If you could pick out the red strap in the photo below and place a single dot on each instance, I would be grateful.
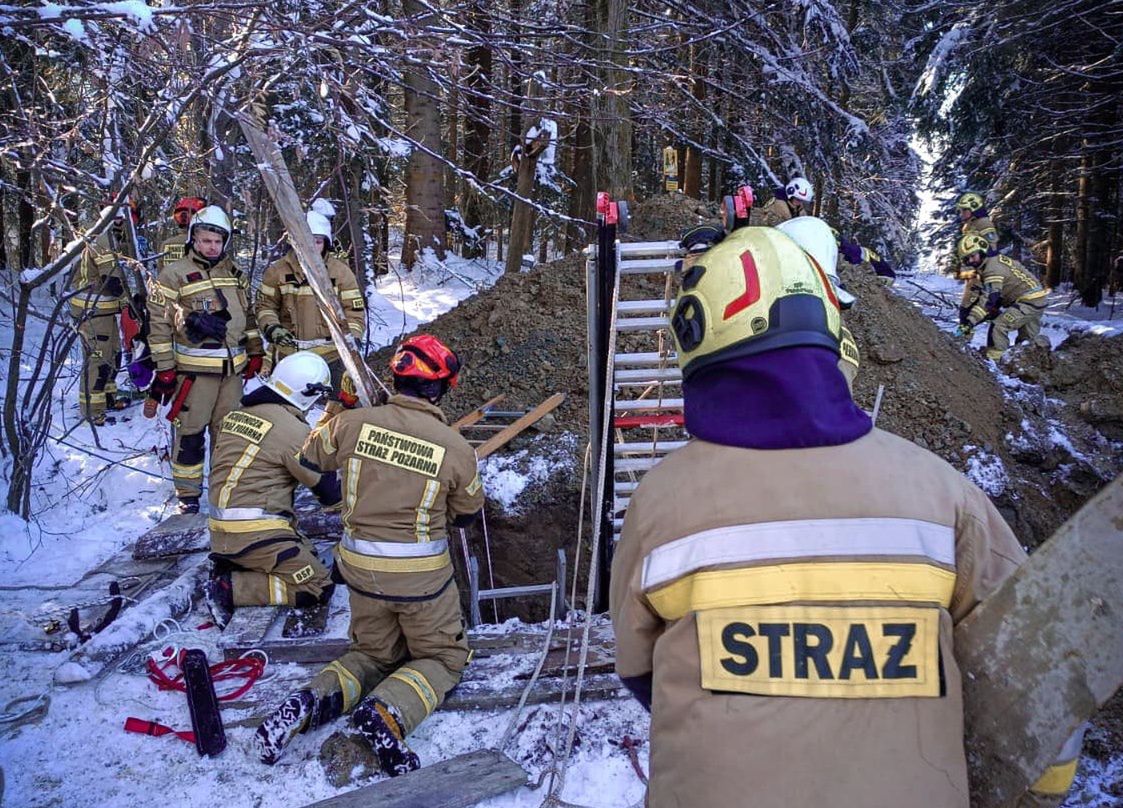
(156, 730)
(247, 668)
(658, 419)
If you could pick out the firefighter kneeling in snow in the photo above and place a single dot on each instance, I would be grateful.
(259, 557)
(1003, 291)
(406, 476)
(791, 634)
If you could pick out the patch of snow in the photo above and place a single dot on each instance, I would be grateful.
(986, 470)
(506, 476)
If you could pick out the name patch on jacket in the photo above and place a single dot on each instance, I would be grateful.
(404, 451)
(821, 651)
(246, 426)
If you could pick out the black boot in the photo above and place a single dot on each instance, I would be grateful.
(188, 504)
(282, 725)
(218, 594)
(380, 724)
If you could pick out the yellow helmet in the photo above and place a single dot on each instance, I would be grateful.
(756, 291)
(970, 201)
(971, 244)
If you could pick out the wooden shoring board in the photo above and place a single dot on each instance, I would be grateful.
(501, 438)
(479, 413)
(187, 533)
(458, 782)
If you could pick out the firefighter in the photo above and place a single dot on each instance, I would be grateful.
(789, 633)
(816, 238)
(973, 218)
(407, 478)
(289, 316)
(174, 247)
(204, 341)
(1001, 290)
(858, 256)
(260, 559)
(100, 295)
(790, 201)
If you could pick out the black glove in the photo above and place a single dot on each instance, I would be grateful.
(112, 286)
(203, 325)
(993, 306)
(882, 268)
(279, 335)
(963, 312)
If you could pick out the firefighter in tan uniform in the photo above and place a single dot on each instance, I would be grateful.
(175, 246)
(260, 559)
(407, 477)
(1002, 291)
(100, 294)
(289, 316)
(204, 340)
(973, 218)
(791, 201)
(792, 637)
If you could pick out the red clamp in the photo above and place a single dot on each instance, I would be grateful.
(743, 201)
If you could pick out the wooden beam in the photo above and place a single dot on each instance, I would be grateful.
(458, 782)
(1044, 652)
(478, 413)
(499, 440)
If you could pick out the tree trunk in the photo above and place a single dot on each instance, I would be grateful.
(583, 199)
(26, 216)
(3, 219)
(611, 116)
(477, 124)
(514, 79)
(522, 214)
(1055, 240)
(1083, 208)
(452, 139)
(425, 221)
(692, 163)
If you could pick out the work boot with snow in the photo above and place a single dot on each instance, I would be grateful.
(188, 504)
(218, 594)
(282, 725)
(381, 725)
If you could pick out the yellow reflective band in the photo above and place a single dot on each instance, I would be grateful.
(348, 683)
(350, 294)
(211, 283)
(474, 486)
(161, 347)
(236, 473)
(248, 525)
(1056, 780)
(167, 291)
(253, 333)
(821, 651)
(1040, 293)
(356, 328)
(423, 518)
(277, 595)
(370, 563)
(105, 260)
(190, 472)
(205, 363)
(416, 680)
(849, 348)
(812, 581)
(351, 481)
(266, 289)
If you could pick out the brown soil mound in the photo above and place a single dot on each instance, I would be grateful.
(526, 338)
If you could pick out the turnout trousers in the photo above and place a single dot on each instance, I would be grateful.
(408, 654)
(1022, 319)
(101, 351)
(272, 569)
(210, 399)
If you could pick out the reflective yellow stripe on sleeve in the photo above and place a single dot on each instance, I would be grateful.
(423, 517)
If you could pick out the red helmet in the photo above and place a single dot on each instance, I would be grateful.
(426, 357)
(186, 207)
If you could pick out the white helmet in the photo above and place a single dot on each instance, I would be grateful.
(301, 378)
(212, 218)
(323, 206)
(815, 237)
(800, 189)
(320, 225)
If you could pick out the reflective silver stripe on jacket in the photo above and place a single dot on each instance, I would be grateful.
(395, 549)
(304, 344)
(240, 514)
(220, 353)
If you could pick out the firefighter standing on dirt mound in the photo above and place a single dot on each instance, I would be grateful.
(792, 200)
(260, 559)
(100, 295)
(974, 218)
(1001, 290)
(407, 477)
(289, 316)
(792, 636)
(175, 246)
(204, 341)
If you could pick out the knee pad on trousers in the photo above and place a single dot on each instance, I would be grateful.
(287, 553)
(192, 449)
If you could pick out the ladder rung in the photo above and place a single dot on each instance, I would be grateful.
(632, 248)
(627, 465)
(649, 405)
(515, 591)
(641, 324)
(642, 306)
(624, 487)
(645, 375)
(645, 266)
(652, 358)
(651, 447)
(648, 421)
(617, 525)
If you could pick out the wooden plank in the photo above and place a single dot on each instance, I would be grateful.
(1044, 652)
(179, 533)
(246, 629)
(597, 687)
(306, 623)
(458, 782)
(478, 413)
(500, 439)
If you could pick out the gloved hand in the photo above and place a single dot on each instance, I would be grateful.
(965, 330)
(994, 305)
(253, 367)
(851, 250)
(882, 268)
(347, 395)
(279, 335)
(203, 325)
(163, 386)
(112, 286)
(963, 312)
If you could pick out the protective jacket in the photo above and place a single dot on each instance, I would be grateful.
(1005, 282)
(796, 641)
(285, 298)
(984, 227)
(173, 249)
(189, 286)
(97, 266)
(405, 474)
(773, 212)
